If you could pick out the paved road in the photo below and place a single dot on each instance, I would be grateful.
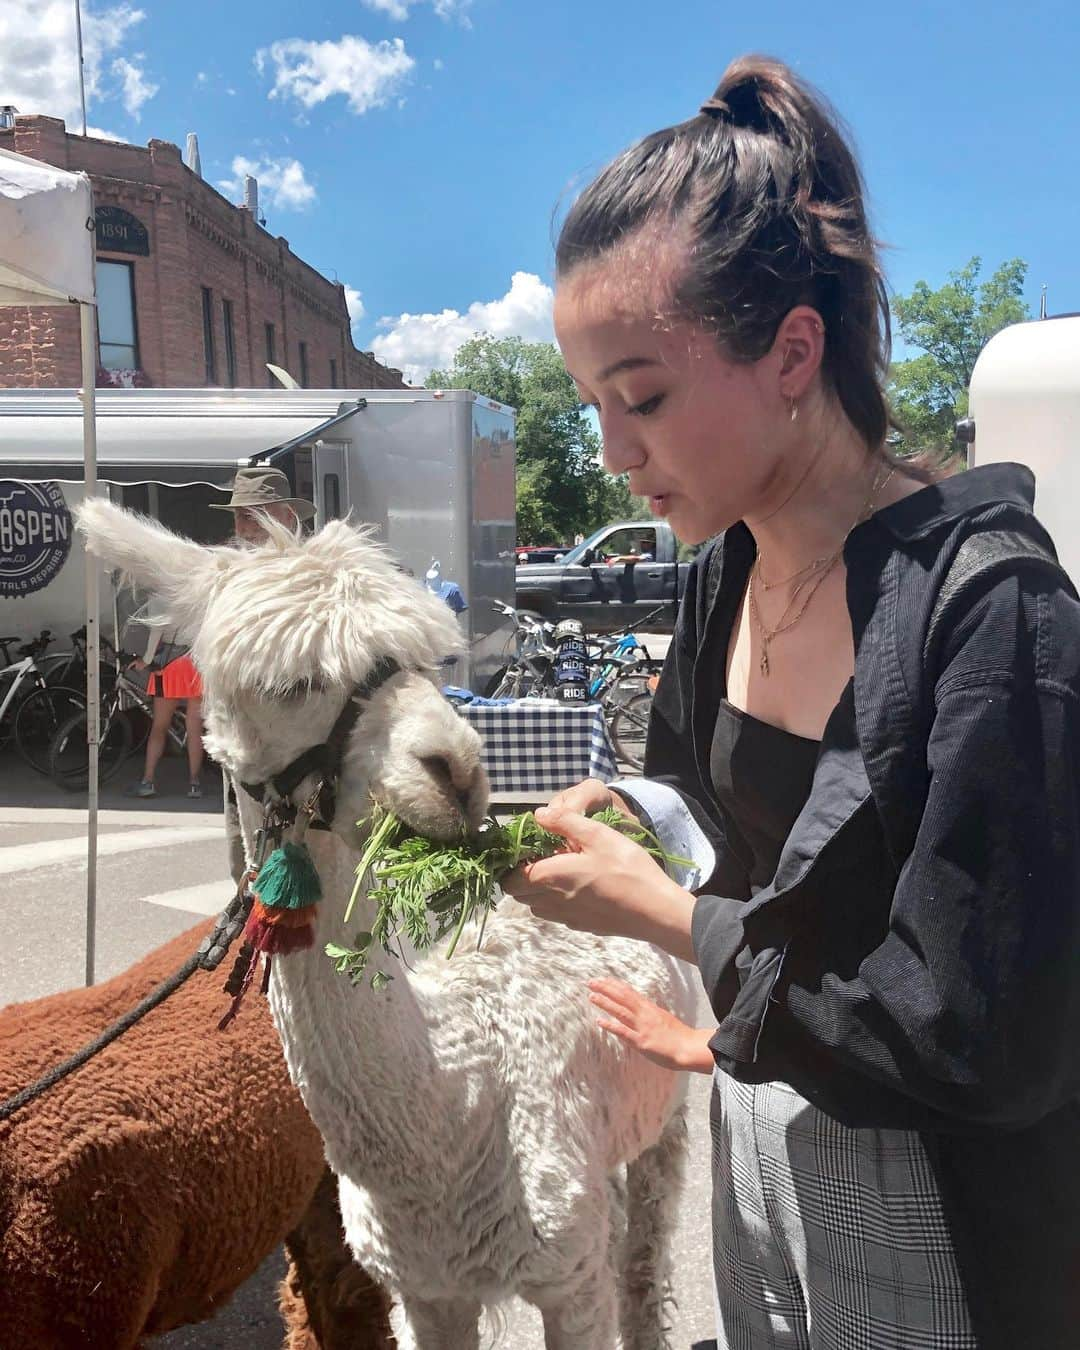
(162, 866)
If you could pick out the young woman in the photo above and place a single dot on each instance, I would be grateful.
(176, 683)
(887, 918)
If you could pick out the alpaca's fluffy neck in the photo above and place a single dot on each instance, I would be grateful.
(364, 1060)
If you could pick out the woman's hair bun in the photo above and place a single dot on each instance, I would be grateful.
(739, 96)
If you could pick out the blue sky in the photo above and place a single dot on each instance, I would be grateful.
(416, 149)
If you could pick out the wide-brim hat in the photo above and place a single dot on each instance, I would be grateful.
(261, 485)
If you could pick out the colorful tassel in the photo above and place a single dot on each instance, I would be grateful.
(287, 890)
(288, 879)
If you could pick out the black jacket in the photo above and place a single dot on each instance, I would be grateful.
(916, 961)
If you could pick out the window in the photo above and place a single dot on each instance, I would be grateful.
(331, 496)
(303, 365)
(208, 334)
(333, 373)
(118, 343)
(230, 343)
(270, 358)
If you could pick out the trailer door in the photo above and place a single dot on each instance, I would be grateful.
(331, 481)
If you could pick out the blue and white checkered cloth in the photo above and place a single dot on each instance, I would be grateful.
(540, 745)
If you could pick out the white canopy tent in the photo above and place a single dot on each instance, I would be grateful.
(47, 258)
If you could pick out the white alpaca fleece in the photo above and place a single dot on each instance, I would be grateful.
(479, 1122)
(290, 610)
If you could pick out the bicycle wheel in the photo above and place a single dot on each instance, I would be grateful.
(67, 669)
(69, 757)
(39, 717)
(628, 725)
(637, 677)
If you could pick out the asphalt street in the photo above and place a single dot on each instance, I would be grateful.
(162, 865)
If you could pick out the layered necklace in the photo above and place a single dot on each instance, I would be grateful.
(808, 579)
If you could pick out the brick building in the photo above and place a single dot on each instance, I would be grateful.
(192, 291)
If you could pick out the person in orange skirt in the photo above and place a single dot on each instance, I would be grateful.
(175, 683)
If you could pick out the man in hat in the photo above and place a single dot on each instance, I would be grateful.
(257, 492)
(261, 491)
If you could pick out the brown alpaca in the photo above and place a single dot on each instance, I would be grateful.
(138, 1194)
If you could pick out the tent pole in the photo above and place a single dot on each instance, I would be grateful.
(82, 76)
(88, 342)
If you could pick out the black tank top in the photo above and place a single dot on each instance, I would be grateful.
(761, 776)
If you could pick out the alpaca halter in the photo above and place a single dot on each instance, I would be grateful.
(324, 760)
(276, 902)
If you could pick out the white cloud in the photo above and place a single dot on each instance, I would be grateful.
(438, 63)
(282, 182)
(366, 74)
(39, 64)
(136, 88)
(201, 77)
(398, 10)
(354, 302)
(99, 134)
(417, 344)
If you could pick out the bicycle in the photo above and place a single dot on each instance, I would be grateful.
(69, 668)
(31, 716)
(624, 687)
(126, 714)
(530, 669)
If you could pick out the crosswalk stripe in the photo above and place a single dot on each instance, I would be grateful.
(69, 815)
(49, 853)
(209, 898)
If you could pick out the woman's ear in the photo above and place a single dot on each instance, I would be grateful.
(800, 346)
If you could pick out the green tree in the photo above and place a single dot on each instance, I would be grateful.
(951, 326)
(561, 487)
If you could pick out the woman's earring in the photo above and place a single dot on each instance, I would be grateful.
(794, 410)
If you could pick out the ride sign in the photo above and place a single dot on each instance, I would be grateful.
(35, 536)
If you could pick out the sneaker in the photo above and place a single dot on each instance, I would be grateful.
(194, 788)
(143, 788)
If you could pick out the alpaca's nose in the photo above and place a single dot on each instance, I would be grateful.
(458, 781)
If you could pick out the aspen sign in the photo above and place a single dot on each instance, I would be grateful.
(35, 536)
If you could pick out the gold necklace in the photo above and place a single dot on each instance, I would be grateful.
(813, 581)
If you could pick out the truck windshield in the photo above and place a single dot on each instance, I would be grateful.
(576, 554)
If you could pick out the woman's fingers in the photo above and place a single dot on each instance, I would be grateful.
(615, 988)
(611, 1007)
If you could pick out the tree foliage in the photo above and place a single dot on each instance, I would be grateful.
(562, 489)
(951, 326)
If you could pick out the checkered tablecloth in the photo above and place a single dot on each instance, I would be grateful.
(539, 745)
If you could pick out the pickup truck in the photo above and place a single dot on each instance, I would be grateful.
(615, 577)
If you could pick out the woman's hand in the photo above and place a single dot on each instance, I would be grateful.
(137, 664)
(650, 1029)
(604, 884)
(590, 796)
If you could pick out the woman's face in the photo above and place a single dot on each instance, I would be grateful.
(701, 437)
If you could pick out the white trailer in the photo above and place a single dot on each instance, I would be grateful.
(432, 471)
(1024, 405)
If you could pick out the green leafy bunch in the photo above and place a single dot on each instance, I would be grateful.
(424, 890)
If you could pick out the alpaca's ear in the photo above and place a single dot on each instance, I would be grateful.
(177, 571)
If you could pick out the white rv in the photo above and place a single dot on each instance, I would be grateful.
(432, 471)
(1024, 405)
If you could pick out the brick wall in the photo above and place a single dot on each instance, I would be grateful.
(197, 238)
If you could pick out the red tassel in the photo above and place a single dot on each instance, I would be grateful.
(277, 939)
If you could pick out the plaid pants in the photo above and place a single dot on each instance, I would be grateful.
(825, 1237)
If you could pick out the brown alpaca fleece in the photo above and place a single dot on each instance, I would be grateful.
(327, 1301)
(140, 1192)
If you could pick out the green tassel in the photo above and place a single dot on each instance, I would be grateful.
(288, 879)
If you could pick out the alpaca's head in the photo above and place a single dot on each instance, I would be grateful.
(283, 632)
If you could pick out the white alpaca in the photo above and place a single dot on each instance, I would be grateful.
(474, 1114)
